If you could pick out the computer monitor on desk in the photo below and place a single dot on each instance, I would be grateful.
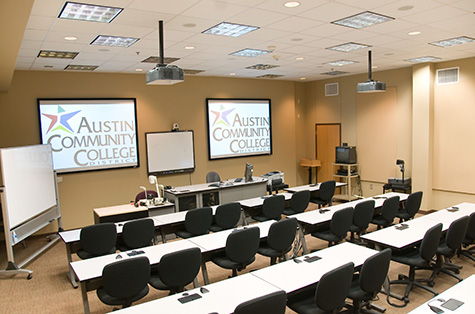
(248, 172)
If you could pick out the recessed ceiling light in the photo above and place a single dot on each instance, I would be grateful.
(452, 42)
(423, 59)
(57, 54)
(48, 66)
(291, 4)
(189, 47)
(348, 47)
(230, 29)
(262, 66)
(296, 39)
(363, 20)
(70, 38)
(138, 70)
(303, 78)
(232, 74)
(114, 41)
(299, 58)
(88, 12)
(340, 63)
(249, 52)
(76, 67)
(414, 33)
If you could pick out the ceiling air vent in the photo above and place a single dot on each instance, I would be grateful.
(448, 76)
(331, 89)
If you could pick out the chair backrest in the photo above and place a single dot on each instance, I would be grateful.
(327, 190)
(430, 242)
(299, 201)
(98, 239)
(242, 244)
(282, 234)
(126, 278)
(374, 271)
(456, 233)
(274, 303)
(363, 213)
(470, 234)
(227, 215)
(333, 288)
(198, 220)
(341, 221)
(212, 176)
(413, 203)
(273, 206)
(138, 233)
(142, 196)
(390, 208)
(179, 268)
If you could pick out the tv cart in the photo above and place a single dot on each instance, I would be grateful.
(349, 175)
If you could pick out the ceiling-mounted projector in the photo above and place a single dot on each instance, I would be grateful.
(370, 86)
(163, 74)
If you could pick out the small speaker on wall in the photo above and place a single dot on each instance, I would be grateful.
(331, 89)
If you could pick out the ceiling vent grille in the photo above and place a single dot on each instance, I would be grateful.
(331, 89)
(448, 76)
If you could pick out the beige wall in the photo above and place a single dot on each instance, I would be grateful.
(158, 107)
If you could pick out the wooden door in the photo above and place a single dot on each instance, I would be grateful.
(327, 137)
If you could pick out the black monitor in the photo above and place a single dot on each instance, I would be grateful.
(345, 154)
(248, 172)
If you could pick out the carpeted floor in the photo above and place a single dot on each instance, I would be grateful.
(49, 291)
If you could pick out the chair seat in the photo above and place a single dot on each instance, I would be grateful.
(215, 228)
(261, 218)
(288, 211)
(411, 259)
(443, 249)
(185, 234)
(157, 283)
(354, 228)
(85, 255)
(326, 235)
(307, 306)
(380, 221)
(267, 251)
(356, 293)
(225, 262)
(109, 300)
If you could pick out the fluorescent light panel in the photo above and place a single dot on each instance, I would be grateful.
(340, 63)
(249, 52)
(76, 67)
(189, 71)
(114, 41)
(333, 73)
(348, 47)
(166, 60)
(452, 42)
(363, 20)
(57, 54)
(269, 76)
(262, 66)
(89, 12)
(422, 59)
(230, 29)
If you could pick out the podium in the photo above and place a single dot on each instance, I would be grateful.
(310, 163)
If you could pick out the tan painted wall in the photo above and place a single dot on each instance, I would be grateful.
(158, 107)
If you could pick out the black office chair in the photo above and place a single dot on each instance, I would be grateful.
(298, 203)
(329, 296)
(388, 213)
(279, 240)
(197, 222)
(411, 206)
(419, 258)
(369, 281)
(240, 251)
(339, 227)
(449, 246)
(212, 176)
(276, 185)
(272, 208)
(97, 240)
(227, 216)
(136, 234)
(125, 281)
(362, 215)
(142, 196)
(176, 270)
(468, 250)
(272, 303)
(325, 194)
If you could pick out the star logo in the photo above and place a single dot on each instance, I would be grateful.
(221, 116)
(60, 120)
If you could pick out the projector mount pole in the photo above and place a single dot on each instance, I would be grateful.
(160, 43)
(370, 78)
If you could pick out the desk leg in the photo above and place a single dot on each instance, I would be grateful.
(85, 301)
(302, 238)
(71, 275)
(205, 273)
(164, 236)
(309, 175)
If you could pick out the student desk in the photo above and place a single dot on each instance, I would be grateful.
(253, 205)
(89, 271)
(462, 291)
(310, 219)
(199, 195)
(291, 276)
(129, 211)
(311, 187)
(223, 297)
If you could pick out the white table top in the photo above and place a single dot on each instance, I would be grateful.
(118, 209)
(172, 218)
(462, 291)
(217, 240)
(223, 297)
(92, 268)
(290, 276)
(259, 201)
(311, 187)
(206, 186)
(314, 217)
